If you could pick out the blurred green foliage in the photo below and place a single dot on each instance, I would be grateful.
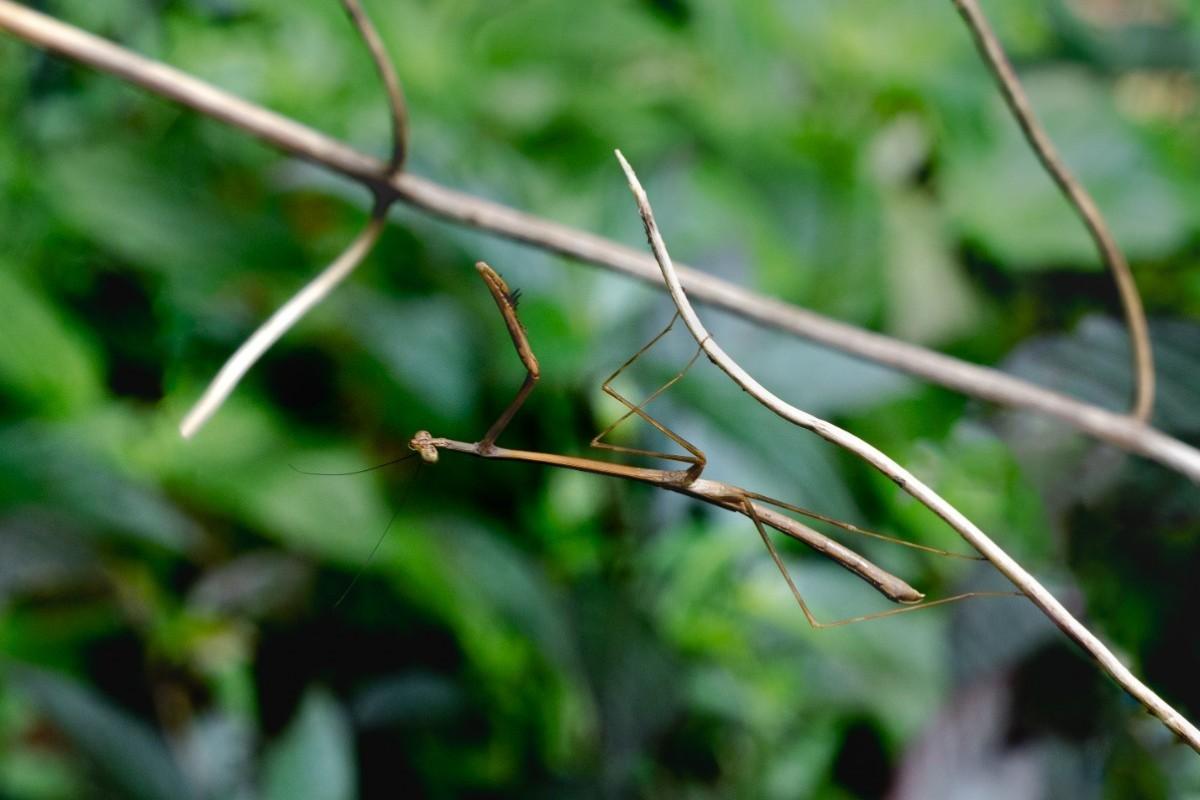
(169, 612)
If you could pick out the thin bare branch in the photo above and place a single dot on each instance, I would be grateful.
(303, 142)
(1114, 260)
(391, 82)
(278, 323)
(1008, 566)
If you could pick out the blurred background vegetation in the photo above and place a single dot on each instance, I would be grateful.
(168, 610)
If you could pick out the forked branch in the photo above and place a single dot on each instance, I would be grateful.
(1114, 260)
(1008, 566)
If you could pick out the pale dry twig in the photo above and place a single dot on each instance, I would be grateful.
(278, 324)
(988, 384)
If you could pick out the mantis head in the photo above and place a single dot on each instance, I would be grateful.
(423, 443)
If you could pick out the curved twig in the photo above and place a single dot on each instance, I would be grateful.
(278, 324)
(391, 82)
(1114, 260)
(1008, 566)
(303, 142)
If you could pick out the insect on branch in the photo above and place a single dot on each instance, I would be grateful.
(762, 510)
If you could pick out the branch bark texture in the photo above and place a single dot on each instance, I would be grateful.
(296, 139)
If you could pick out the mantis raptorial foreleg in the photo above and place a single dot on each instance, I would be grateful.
(506, 301)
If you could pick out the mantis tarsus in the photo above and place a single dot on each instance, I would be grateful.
(687, 481)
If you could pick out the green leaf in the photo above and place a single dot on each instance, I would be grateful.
(510, 584)
(42, 360)
(139, 210)
(929, 298)
(415, 698)
(1092, 363)
(36, 555)
(123, 749)
(314, 759)
(423, 344)
(48, 465)
(257, 585)
(1002, 199)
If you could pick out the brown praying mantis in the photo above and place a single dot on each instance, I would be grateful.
(759, 508)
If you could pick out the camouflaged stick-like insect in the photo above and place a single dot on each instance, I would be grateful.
(687, 481)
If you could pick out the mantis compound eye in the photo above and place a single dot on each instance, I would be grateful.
(422, 442)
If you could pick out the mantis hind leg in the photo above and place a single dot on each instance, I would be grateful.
(695, 455)
(748, 508)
